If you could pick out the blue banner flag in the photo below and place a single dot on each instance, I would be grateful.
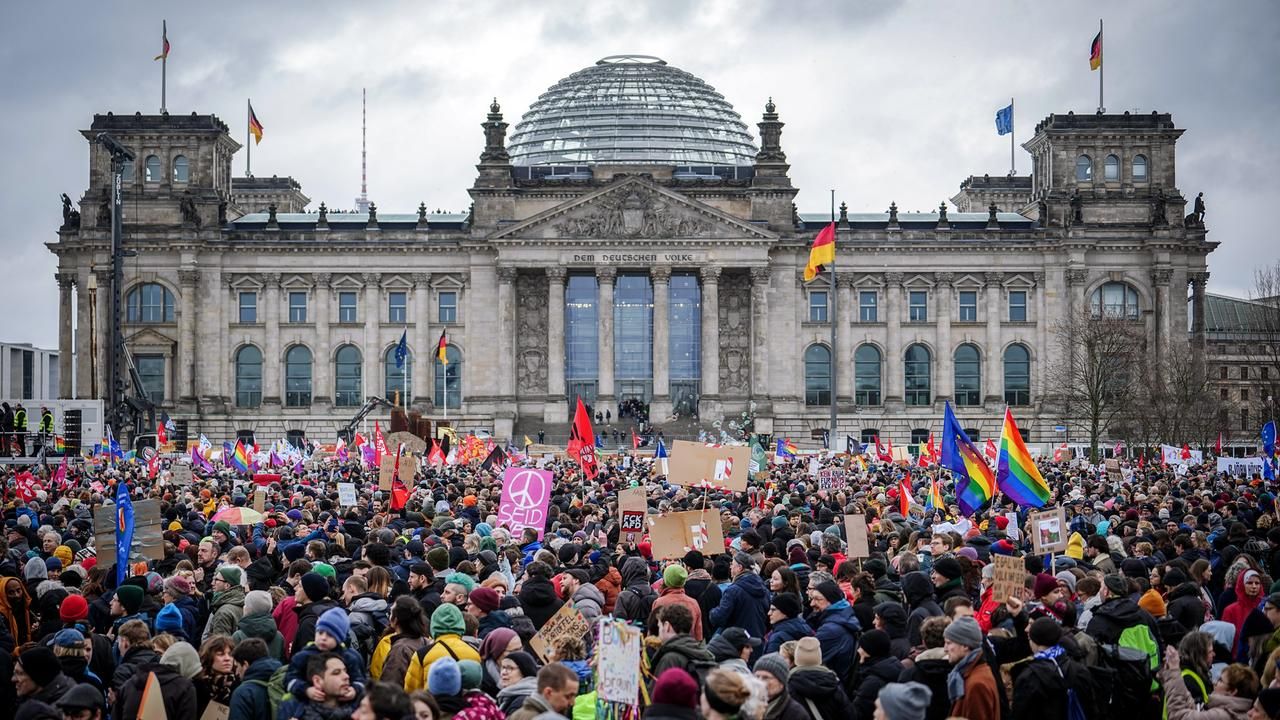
(1004, 120)
(124, 531)
(1269, 439)
(402, 350)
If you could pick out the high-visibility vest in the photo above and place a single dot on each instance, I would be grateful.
(20, 421)
(46, 422)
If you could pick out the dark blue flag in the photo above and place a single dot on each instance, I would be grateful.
(124, 530)
(1004, 120)
(402, 350)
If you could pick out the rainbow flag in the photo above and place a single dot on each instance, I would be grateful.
(59, 443)
(975, 482)
(1017, 475)
(933, 501)
(240, 458)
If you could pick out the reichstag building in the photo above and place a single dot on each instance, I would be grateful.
(631, 241)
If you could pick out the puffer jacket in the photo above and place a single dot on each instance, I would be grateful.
(539, 600)
(250, 700)
(744, 604)
(589, 601)
(681, 651)
(930, 669)
(637, 596)
(225, 611)
(368, 615)
(918, 590)
(837, 631)
(610, 585)
(789, 629)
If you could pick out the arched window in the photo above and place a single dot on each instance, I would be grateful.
(346, 377)
(1084, 168)
(968, 366)
(181, 169)
(1139, 168)
(1111, 169)
(248, 377)
(149, 303)
(398, 379)
(919, 435)
(449, 375)
(297, 377)
(1017, 375)
(916, 372)
(153, 169)
(866, 375)
(1115, 300)
(817, 375)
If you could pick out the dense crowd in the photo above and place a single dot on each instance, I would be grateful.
(1164, 604)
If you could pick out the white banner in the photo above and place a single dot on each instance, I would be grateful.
(1240, 467)
(1173, 456)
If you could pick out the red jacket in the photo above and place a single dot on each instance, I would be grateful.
(286, 622)
(986, 607)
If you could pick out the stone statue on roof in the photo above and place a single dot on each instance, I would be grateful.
(70, 216)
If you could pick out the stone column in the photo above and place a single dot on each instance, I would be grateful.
(102, 328)
(65, 345)
(945, 385)
(893, 367)
(1076, 278)
(419, 367)
(556, 407)
(1198, 337)
(710, 337)
(760, 389)
(604, 312)
(321, 386)
(1040, 359)
(273, 354)
(993, 380)
(661, 277)
(208, 362)
(1164, 330)
(83, 345)
(506, 332)
(843, 312)
(187, 281)
(372, 343)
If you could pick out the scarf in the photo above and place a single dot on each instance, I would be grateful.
(777, 705)
(955, 678)
(1051, 654)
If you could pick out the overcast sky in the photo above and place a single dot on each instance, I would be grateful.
(883, 101)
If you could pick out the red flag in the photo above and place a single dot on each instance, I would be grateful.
(161, 436)
(904, 495)
(399, 495)
(1186, 451)
(436, 456)
(883, 454)
(933, 449)
(1142, 460)
(1217, 448)
(379, 444)
(635, 440)
(991, 451)
(26, 485)
(153, 466)
(1061, 453)
(582, 442)
(60, 475)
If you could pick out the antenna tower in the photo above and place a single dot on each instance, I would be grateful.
(362, 202)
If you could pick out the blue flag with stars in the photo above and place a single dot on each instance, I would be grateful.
(1004, 120)
(402, 350)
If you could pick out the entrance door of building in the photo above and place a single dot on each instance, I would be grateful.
(585, 389)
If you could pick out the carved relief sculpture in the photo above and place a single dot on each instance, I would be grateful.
(531, 334)
(638, 213)
(735, 333)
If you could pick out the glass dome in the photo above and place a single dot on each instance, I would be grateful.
(633, 109)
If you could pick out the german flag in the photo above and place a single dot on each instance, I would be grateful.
(822, 253)
(164, 41)
(255, 127)
(1095, 52)
(442, 349)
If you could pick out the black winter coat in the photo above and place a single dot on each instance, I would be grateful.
(932, 672)
(819, 688)
(1040, 692)
(872, 676)
(308, 616)
(539, 600)
(178, 692)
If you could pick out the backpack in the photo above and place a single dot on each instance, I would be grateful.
(1126, 671)
(365, 636)
(646, 605)
(276, 693)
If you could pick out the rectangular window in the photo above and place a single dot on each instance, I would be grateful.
(968, 306)
(867, 306)
(1018, 306)
(1244, 372)
(1226, 394)
(1244, 420)
(396, 307)
(1266, 373)
(151, 372)
(1223, 372)
(818, 306)
(346, 307)
(918, 306)
(248, 307)
(448, 308)
(1244, 395)
(297, 307)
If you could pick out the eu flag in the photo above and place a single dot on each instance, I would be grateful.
(124, 530)
(402, 350)
(1004, 120)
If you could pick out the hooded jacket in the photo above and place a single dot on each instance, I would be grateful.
(681, 651)
(250, 700)
(818, 689)
(636, 598)
(264, 627)
(930, 669)
(308, 616)
(368, 615)
(1238, 611)
(1185, 604)
(676, 596)
(610, 585)
(744, 604)
(1114, 616)
(589, 601)
(894, 619)
(918, 590)
(539, 600)
(178, 693)
(837, 631)
(1040, 689)
(789, 629)
(225, 611)
(872, 676)
(1219, 707)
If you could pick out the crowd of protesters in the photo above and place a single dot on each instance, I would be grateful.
(1165, 602)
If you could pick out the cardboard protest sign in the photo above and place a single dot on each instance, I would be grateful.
(901, 455)
(567, 622)
(855, 528)
(693, 464)
(618, 674)
(831, 479)
(1171, 455)
(1113, 469)
(260, 500)
(1240, 467)
(181, 474)
(1049, 530)
(1009, 579)
(525, 494)
(675, 534)
(387, 470)
(347, 494)
(148, 531)
(216, 711)
(632, 507)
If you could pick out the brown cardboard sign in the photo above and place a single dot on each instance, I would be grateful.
(260, 500)
(855, 528)
(693, 464)
(567, 622)
(1009, 578)
(181, 474)
(675, 534)
(632, 508)
(147, 534)
(387, 471)
(1048, 530)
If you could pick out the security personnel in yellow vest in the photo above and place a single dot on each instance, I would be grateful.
(46, 425)
(20, 428)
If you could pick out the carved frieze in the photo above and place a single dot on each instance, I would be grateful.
(531, 334)
(735, 333)
(637, 213)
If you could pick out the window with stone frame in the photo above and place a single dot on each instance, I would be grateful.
(818, 306)
(968, 306)
(918, 306)
(151, 371)
(397, 307)
(1017, 306)
(447, 307)
(248, 306)
(868, 306)
(298, 308)
(347, 303)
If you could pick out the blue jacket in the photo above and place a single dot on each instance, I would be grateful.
(837, 632)
(529, 551)
(295, 682)
(250, 700)
(789, 629)
(744, 604)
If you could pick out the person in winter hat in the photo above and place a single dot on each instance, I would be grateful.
(877, 667)
(38, 676)
(226, 602)
(787, 625)
(903, 701)
(772, 669)
(970, 686)
(332, 630)
(258, 622)
(311, 601)
(675, 697)
(814, 685)
(447, 627)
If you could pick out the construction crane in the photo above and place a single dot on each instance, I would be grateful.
(348, 431)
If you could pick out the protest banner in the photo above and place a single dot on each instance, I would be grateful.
(632, 507)
(567, 622)
(831, 479)
(1113, 469)
(148, 531)
(1171, 455)
(525, 494)
(618, 673)
(347, 494)
(1009, 579)
(1240, 467)
(855, 528)
(1049, 530)
(675, 534)
(901, 455)
(693, 464)
(387, 470)
(181, 474)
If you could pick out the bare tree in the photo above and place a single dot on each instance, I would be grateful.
(1263, 345)
(1098, 366)
(1174, 402)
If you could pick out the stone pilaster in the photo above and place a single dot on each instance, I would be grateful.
(85, 297)
(843, 312)
(710, 341)
(760, 345)
(273, 353)
(605, 277)
(506, 332)
(66, 346)
(661, 277)
(893, 354)
(322, 386)
(190, 309)
(1198, 281)
(1160, 278)
(993, 380)
(556, 409)
(372, 309)
(421, 351)
(1039, 357)
(945, 385)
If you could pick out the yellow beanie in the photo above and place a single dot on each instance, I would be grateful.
(1075, 546)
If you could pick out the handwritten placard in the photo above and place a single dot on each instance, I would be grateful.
(1048, 530)
(618, 674)
(567, 622)
(347, 494)
(525, 494)
(1009, 578)
(832, 479)
(855, 528)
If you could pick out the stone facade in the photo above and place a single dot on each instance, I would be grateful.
(493, 280)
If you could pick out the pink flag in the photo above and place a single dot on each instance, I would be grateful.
(60, 475)
(525, 494)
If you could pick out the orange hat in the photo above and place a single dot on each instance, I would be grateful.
(140, 568)
(1152, 603)
(469, 501)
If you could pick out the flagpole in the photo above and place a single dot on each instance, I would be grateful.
(1102, 66)
(164, 62)
(248, 145)
(1013, 165)
(831, 303)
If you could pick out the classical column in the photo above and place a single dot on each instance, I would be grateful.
(661, 277)
(506, 332)
(65, 345)
(187, 281)
(995, 343)
(946, 368)
(893, 366)
(321, 387)
(1198, 337)
(85, 288)
(1076, 278)
(208, 362)
(419, 367)
(604, 312)
(273, 353)
(555, 333)
(372, 343)
(843, 352)
(760, 332)
(1039, 361)
(1161, 277)
(711, 332)
(102, 328)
